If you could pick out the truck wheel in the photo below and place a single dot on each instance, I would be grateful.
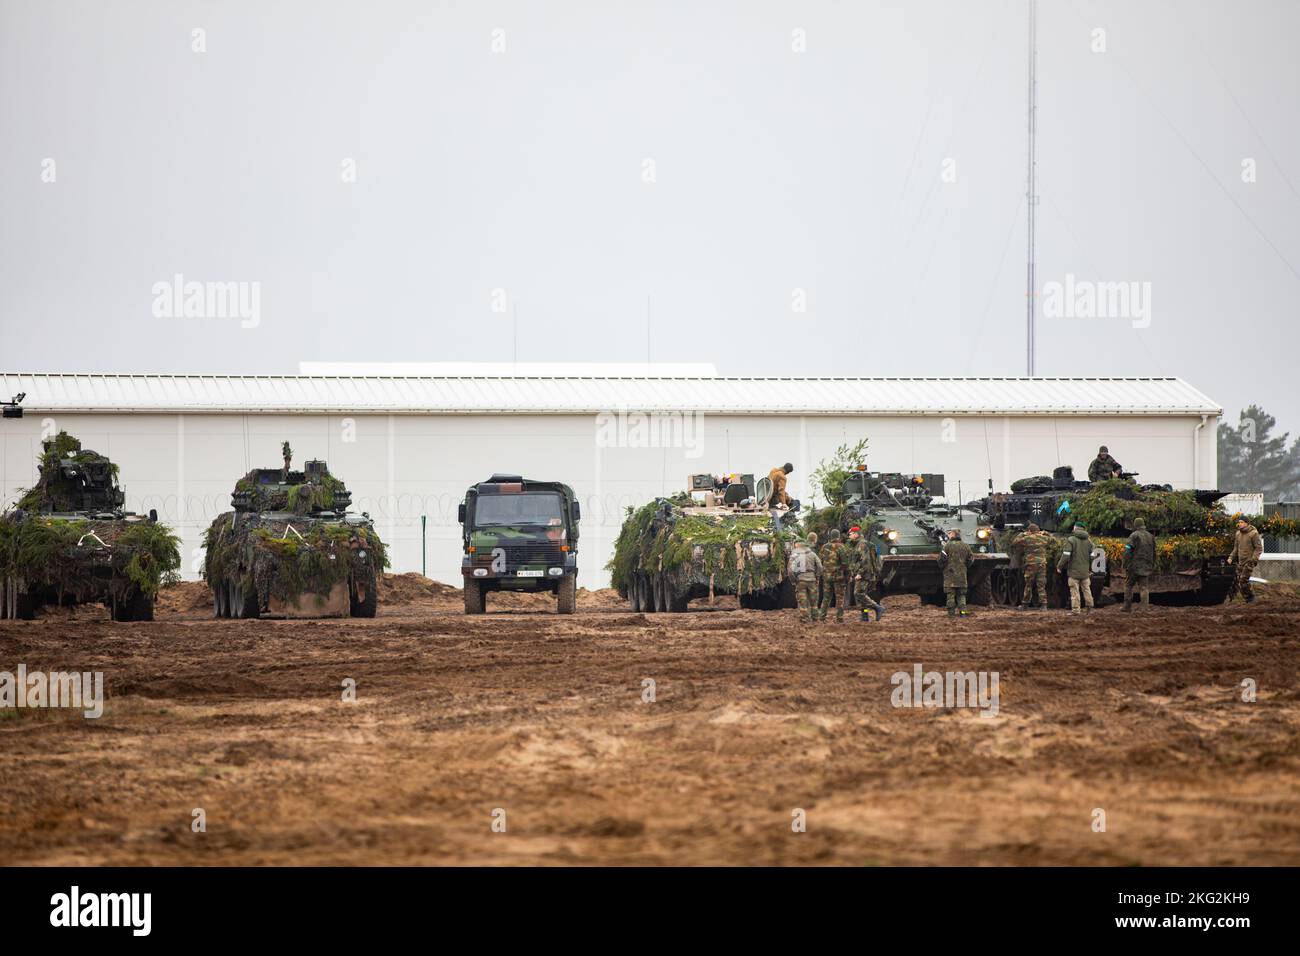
(363, 599)
(567, 595)
(475, 599)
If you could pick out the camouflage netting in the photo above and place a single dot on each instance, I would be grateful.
(265, 554)
(129, 557)
(52, 492)
(641, 546)
(1185, 531)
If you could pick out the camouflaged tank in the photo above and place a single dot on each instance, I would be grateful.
(902, 517)
(68, 541)
(1192, 533)
(704, 543)
(291, 548)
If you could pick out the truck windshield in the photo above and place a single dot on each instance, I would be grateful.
(526, 509)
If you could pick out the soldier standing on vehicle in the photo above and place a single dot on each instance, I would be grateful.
(1104, 466)
(1139, 562)
(955, 557)
(804, 567)
(1247, 546)
(1033, 543)
(777, 477)
(865, 574)
(1076, 562)
(837, 561)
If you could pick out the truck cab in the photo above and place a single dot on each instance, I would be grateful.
(519, 535)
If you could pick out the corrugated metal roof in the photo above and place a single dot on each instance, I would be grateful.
(482, 394)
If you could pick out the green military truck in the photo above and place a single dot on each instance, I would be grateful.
(520, 535)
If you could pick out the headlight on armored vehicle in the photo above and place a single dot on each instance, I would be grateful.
(555, 572)
(982, 534)
(891, 535)
(480, 572)
(759, 549)
(893, 551)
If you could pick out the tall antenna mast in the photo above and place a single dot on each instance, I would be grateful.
(1031, 194)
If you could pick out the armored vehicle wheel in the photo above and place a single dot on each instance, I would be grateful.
(659, 585)
(1213, 591)
(135, 608)
(567, 595)
(981, 594)
(25, 607)
(934, 599)
(787, 599)
(475, 599)
(243, 604)
(363, 598)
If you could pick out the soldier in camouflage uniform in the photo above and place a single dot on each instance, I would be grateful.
(804, 567)
(865, 572)
(1033, 544)
(1139, 562)
(1104, 466)
(836, 562)
(1247, 546)
(955, 558)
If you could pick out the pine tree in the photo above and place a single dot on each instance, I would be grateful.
(1251, 459)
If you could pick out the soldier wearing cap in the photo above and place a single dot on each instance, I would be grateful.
(1104, 466)
(1139, 562)
(1247, 546)
(866, 572)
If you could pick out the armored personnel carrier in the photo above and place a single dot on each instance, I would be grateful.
(68, 541)
(900, 515)
(715, 539)
(520, 535)
(291, 548)
(1192, 532)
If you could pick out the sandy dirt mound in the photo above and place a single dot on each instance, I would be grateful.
(754, 718)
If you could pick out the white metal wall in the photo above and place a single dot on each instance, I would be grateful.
(400, 467)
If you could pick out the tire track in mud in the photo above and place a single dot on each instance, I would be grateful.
(754, 715)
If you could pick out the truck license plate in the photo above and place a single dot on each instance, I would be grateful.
(528, 574)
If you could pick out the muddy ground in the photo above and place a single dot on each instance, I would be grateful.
(754, 718)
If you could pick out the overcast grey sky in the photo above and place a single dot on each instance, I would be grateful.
(798, 153)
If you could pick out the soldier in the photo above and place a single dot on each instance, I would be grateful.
(1104, 466)
(777, 477)
(955, 558)
(865, 573)
(804, 567)
(1247, 546)
(1139, 562)
(837, 561)
(1076, 562)
(1033, 543)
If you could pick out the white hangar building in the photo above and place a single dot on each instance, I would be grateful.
(408, 445)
